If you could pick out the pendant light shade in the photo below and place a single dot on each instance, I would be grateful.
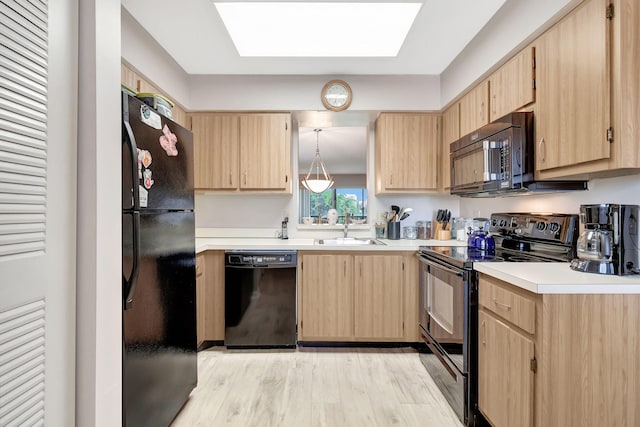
(317, 179)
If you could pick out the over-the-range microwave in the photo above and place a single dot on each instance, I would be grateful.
(498, 159)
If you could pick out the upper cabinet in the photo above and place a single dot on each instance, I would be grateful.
(450, 133)
(587, 115)
(512, 86)
(215, 139)
(474, 109)
(573, 111)
(265, 152)
(250, 151)
(139, 84)
(407, 152)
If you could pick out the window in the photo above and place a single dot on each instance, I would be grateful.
(344, 200)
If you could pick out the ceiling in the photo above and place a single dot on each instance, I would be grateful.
(192, 32)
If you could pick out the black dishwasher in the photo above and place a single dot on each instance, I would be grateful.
(260, 299)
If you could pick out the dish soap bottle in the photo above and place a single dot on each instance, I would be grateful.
(284, 228)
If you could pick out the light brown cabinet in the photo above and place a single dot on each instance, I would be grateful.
(450, 133)
(557, 359)
(242, 152)
(474, 109)
(362, 297)
(265, 151)
(378, 297)
(215, 151)
(512, 86)
(326, 303)
(210, 296)
(407, 152)
(573, 109)
(139, 83)
(505, 378)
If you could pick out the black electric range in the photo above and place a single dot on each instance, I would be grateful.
(448, 288)
(519, 237)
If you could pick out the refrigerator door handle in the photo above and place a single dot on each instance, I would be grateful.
(130, 140)
(129, 286)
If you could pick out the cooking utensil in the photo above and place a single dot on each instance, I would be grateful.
(405, 213)
(439, 216)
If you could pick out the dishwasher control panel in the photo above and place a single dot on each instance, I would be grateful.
(261, 259)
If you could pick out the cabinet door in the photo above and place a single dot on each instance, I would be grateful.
(327, 297)
(214, 294)
(512, 86)
(505, 378)
(450, 133)
(265, 152)
(573, 87)
(474, 109)
(378, 297)
(408, 149)
(215, 139)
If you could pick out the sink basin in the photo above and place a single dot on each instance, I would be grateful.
(352, 241)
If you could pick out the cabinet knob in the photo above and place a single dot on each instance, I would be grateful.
(541, 146)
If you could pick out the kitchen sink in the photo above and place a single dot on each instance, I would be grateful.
(353, 241)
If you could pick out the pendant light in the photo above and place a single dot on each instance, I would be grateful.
(317, 183)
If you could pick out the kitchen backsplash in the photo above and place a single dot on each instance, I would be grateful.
(624, 190)
(265, 212)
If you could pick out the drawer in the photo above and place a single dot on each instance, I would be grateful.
(199, 265)
(508, 302)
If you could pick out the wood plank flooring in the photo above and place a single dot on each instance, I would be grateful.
(314, 387)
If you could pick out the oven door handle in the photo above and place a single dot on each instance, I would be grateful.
(439, 266)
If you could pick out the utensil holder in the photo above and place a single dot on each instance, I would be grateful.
(440, 233)
(393, 230)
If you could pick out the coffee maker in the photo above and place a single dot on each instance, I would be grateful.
(609, 241)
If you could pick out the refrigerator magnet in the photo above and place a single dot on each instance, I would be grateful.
(150, 117)
(146, 179)
(145, 158)
(143, 196)
(168, 141)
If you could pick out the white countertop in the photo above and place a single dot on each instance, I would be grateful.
(224, 243)
(558, 278)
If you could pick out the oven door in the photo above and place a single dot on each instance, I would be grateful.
(444, 327)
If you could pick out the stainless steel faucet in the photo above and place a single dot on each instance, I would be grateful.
(347, 221)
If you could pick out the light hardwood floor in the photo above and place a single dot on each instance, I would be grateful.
(314, 387)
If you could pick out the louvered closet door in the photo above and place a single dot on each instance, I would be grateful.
(37, 212)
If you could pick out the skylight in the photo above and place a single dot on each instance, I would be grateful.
(315, 29)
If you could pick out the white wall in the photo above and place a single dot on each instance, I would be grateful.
(624, 190)
(145, 54)
(289, 93)
(99, 259)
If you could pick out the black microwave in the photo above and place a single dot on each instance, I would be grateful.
(498, 159)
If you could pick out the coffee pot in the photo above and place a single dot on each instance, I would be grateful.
(595, 244)
(609, 242)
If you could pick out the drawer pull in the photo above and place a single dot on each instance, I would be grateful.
(501, 304)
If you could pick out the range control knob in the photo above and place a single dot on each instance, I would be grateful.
(518, 231)
(554, 227)
(503, 223)
(541, 226)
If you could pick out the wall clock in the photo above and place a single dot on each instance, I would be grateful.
(336, 95)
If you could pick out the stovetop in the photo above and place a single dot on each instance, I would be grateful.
(519, 237)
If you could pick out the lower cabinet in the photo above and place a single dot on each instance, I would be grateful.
(210, 296)
(353, 297)
(557, 359)
(505, 379)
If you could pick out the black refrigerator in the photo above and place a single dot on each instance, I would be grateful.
(159, 367)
